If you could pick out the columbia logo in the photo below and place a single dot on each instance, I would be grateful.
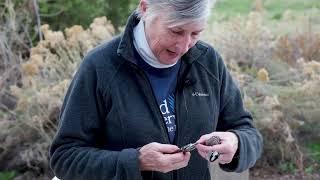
(199, 94)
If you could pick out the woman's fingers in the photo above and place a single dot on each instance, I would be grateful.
(160, 157)
(226, 150)
(184, 162)
(165, 148)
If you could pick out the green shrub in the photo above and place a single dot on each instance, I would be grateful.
(287, 167)
(7, 175)
(314, 149)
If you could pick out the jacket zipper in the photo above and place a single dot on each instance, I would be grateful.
(155, 106)
(179, 88)
(179, 85)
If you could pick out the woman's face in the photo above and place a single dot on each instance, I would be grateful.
(169, 43)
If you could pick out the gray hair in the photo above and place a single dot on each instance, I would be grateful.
(178, 12)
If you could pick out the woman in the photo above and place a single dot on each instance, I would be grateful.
(138, 98)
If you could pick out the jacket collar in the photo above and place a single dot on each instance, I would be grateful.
(125, 48)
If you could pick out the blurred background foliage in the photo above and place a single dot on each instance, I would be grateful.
(61, 14)
(271, 47)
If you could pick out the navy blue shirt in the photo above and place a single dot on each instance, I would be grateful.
(163, 82)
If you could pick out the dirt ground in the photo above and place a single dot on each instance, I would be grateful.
(254, 175)
(262, 175)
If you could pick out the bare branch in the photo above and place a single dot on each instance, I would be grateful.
(36, 10)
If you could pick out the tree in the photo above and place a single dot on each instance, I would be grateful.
(61, 14)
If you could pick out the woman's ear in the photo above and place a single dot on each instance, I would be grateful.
(143, 8)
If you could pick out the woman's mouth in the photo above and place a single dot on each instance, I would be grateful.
(171, 53)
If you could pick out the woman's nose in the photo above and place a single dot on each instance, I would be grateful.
(185, 43)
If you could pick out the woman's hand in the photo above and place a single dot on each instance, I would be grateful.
(161, 157)
(227, 148)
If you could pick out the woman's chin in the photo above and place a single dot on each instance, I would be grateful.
(169, 59)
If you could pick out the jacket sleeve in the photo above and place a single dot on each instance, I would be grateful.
(74, 153)
(235, 118)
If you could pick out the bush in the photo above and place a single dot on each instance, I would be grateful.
(245, 40)
(45, 79)
(284, 99)
(15, 42)
(292, 47)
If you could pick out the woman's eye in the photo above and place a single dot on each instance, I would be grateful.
(195, 34)
(176, 32)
